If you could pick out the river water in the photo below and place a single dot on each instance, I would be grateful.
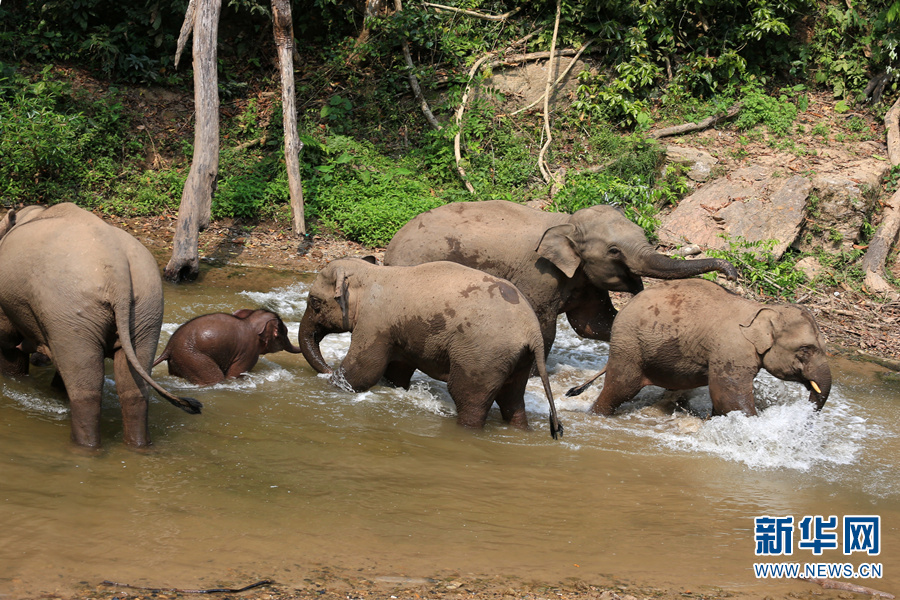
(283, 473)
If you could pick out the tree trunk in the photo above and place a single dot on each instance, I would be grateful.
(284, 41)
(196, 199)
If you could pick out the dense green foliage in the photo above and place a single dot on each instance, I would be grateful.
(370, 160)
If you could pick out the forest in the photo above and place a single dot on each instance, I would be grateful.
(78, 82)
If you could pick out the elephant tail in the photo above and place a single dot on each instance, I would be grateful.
(556, 428)
(578, 390)
(162, 357)
(188, 405)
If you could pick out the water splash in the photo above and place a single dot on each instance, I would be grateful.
(289, 302)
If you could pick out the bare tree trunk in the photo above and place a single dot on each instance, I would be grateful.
(196, 199)
(284, 41)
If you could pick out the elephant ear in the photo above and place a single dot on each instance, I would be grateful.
(342, 294)
(559, 247)
(760, 330)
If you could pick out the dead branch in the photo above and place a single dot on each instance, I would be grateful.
(886, 234)
(559, 79)
(182, 591)
(186, 29)
(457, 151)
(473, 13)
(413, 81)
(250, 143)
(516, 60)
(830, 584)
(542, 164)
(704, 124)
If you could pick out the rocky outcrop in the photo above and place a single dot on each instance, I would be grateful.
(764, 202)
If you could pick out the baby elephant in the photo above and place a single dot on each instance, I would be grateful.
(689, 333)
(474, 331)
(211, 348)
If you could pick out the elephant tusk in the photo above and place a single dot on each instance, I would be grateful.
(815, 386)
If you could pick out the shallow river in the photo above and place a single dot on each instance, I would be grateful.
(283, 473)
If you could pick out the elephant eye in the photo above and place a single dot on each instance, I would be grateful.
(614, 251)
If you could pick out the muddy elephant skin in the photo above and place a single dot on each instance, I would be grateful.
(685, 334)
(561, 263)
(211, 348)
(472, 330)
(77, 290)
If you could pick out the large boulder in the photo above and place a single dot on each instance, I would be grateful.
(754, 203)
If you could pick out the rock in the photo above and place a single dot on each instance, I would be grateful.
(753, 203)
(698, 162)
(838, 208)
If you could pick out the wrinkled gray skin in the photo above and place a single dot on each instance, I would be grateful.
(686, 334)
(472, 330)
(211, 348)
(561, 263)
(76, 290)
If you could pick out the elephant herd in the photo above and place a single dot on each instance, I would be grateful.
(469, 294)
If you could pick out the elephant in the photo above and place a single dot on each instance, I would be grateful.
(689, 333)
(76, 290)
(469, 329)
(211, 348)
(562, 263)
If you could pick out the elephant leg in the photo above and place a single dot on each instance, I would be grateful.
(363, 366)
(199, 369)
(731, 389)
(511, 398)
(399, 374)
(622, 383)
(82, 373)
(13, 360)
(133, 392)
(473, 398)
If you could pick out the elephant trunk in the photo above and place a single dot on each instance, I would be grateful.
(309, 337)
(660, 266)
(819, 376)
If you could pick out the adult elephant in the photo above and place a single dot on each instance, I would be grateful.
(78, 290)
(562, 263)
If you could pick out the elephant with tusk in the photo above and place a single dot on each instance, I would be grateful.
(686, 334)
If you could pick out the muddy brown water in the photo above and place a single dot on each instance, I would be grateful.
(284, 473)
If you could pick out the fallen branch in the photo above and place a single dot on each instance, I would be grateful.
(830, 584)
(249, 143)
(186, 28)
(704, 124)
(181, 591)
(414, 82)
(518, 59)
(542, 163)
(473, 13)
(886, 234)
(457, 150)
(559, 79)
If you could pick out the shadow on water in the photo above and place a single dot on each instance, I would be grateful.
(283, 473)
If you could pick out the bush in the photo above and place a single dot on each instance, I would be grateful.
(365, 195)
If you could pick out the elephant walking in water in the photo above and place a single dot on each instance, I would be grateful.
(78, 290)
(685, 334)
(561, 263)
(474, 331)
